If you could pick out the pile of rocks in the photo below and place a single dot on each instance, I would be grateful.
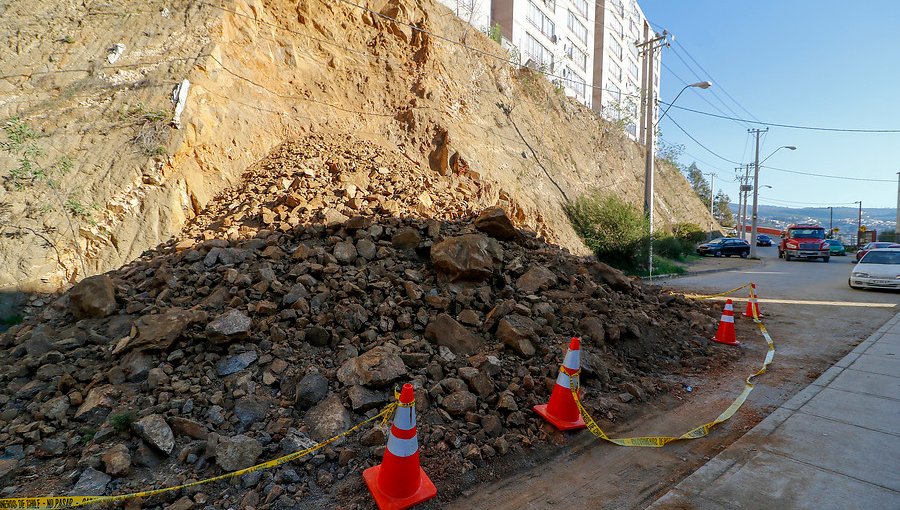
(291, 309)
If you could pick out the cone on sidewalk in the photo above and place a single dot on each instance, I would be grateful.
(752, 303)
(399, 482)
(725, 333)
(561, 411)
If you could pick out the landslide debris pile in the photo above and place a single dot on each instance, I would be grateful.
(290, 310)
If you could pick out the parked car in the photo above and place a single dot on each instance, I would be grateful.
(837, 247)
(878, 269)
(726, 247)
(871, 246)
(763, 240)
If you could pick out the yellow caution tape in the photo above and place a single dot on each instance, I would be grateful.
(75, 501)
(697, 432)
(710, 296)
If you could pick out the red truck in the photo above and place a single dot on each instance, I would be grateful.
(804, 242)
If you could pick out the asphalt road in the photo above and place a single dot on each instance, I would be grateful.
(819, 320)
(775, 278)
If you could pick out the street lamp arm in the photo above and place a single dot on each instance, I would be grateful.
(790, 147)
(699, 85)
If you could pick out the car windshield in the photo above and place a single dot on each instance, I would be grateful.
(762, 236)
(815, 233)
(881, 257)
(834, 242)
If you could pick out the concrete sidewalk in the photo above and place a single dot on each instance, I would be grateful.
(836, 444)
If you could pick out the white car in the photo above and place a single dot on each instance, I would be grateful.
(878, 269)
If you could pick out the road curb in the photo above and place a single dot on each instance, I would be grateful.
(694, 273)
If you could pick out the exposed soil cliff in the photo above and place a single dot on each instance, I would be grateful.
(260, 73)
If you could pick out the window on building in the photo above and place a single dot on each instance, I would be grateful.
(615, 48)
(577, 56)
(582, 7)
(577, 28)
(633, 69)
(615, 71)
(616, 26)
(618, 7)
(575, 82)
(615, 93)
(540, 20)
(537, 52)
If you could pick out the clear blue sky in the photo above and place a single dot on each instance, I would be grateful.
(810, 62)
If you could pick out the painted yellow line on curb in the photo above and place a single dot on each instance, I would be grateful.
(805, 302)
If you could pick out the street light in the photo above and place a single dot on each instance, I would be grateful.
(650, 156)
(699, 85)
(756, 192)
(859, 225)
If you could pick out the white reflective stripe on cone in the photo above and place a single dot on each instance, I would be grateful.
(729, 306)
(727, 318)
(573, 359)
(402, 447)
(405, 418)
(565, 381)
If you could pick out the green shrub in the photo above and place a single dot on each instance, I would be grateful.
(122, 421)
(689, 232)
(669, 247)
(614, 230)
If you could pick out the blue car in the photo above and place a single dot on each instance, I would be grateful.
(763, 240)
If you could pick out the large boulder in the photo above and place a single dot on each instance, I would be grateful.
(470, 257)
(516, 332)
(237, 452)
(228, 327)
(160, 331)
(444, 330)
(93, 297)
(376, 367)
(610, 276)
(494, 222)
(96, 405)
(327, 419)
(154, 430)
(91, 483)
(592, 327)
(536, 278)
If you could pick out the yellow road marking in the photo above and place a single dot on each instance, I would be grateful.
(806, 302)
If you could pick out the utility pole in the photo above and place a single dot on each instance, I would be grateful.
(859, 225)
(897, 224)
(831, 222)
(755, 210)
(649, 49)
(712, 199)
(745, 190)
(649, 52)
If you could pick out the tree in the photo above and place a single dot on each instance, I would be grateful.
(722, 210)
(698, 182)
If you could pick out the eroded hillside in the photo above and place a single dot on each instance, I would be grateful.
(260, 73)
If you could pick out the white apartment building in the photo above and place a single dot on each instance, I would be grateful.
(620, 71)
(554, 36)
(475, 12)
(589, 47)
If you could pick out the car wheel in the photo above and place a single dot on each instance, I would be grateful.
(787, 257)
(826, 259)
(745, 254)
(717, 254)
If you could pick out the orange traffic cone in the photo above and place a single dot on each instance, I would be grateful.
(752, 303)
(561, 411)
(725, 333)
(399, 482)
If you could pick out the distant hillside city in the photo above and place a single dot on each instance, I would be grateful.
(844, 218)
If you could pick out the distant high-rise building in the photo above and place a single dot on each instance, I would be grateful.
(552, 36)
(588, 47)
(475, 12)
(620, 72)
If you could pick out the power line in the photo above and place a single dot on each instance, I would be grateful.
(826, 175)
(723, 158)
(712, 90)
(788, 126)
(724, 91)
(701, 96)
